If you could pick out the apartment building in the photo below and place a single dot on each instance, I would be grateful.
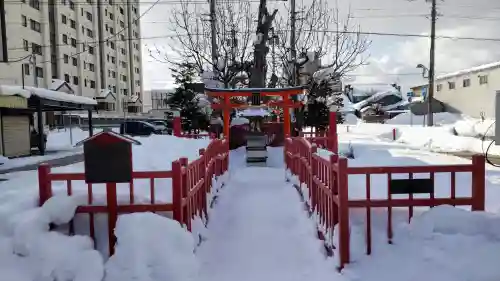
(468, 91)
(90, 44)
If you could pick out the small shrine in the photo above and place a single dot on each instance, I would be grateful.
(257, 112)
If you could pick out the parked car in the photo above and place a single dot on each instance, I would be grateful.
(164, 125)
(139, 128)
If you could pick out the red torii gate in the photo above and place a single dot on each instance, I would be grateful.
(286, 103)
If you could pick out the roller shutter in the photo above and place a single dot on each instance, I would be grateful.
(16, 136)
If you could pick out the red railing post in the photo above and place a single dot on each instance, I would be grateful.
(334, 158)
(332, 142)
(112, 205)
(310, 181)
(478, 183)
(177, 191)
(185, 187)
(44, 184)
(343, 198)
(206, 181)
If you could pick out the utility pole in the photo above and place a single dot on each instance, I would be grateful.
(213, 28)
(293, 50)
(430, 97)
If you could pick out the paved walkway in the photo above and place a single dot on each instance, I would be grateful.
(57, 162)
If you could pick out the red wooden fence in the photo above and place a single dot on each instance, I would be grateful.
(327, 182)
(191, 182)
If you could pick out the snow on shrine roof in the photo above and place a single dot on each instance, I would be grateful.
(254, 90)
(6, 90)
(109, 132)
(238, 121)
(254, 112)
(58, 96)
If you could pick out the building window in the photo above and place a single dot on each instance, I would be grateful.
(123, 51)
(72, 24)
(124, 78)
(35, 4)
(66, 78)
(483, 79)
(91, 50)
(71, 5)
(39, 72)
(439, 87)
(92, 84)
(85, 82)
(24, 21)
(91, 67)
(35, 26)
(26, 68)
(121, 11)
(451, 85)
(65, 39)
(63, 19)
(112, 45)
(75, 80)
(113, 60)
(73, 42)
(26, 45)
(111, 30)
(36, 49)
(466, 82)
(122, 24)
(75, 61)
(90, 33)
(89, 16)
(111, 16)
(66, 58)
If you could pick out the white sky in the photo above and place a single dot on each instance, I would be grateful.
(389, 55)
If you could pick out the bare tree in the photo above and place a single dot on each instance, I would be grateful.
(259, 68)
(321, 29)
(234, 22)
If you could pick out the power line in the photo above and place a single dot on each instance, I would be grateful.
(408, 35)
(83, 3)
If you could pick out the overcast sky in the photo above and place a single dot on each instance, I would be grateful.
(392, 58)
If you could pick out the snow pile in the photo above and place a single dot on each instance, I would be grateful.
(408, 118)
(475, 128)
(442, 244)
(151, 248)
(239, 121)
(350, 119)
(29, 251)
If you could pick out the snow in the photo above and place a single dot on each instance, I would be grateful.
(238, 121)
(444, 243)
(469, 70)
(143, 253)
(6, 90)
(59, 96)
(32, 252)
(254, 112)
(251, 238)
(258, 229)
(442, 118)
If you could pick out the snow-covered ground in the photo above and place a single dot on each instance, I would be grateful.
(258, 228)
(452, 133)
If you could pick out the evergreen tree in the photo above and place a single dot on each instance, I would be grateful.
(185, 99)
(321, 96)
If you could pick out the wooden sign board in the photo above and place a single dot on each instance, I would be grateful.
(411, 186)
(108, 162)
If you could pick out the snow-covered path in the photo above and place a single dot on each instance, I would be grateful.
(259, 230)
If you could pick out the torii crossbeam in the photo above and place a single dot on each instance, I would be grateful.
(256, 94)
